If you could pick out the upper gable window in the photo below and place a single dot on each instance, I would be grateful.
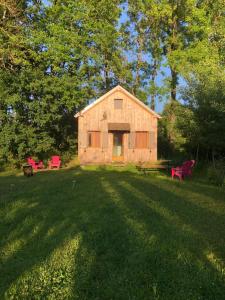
(118, 103)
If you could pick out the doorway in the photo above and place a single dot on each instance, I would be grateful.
(117, 154)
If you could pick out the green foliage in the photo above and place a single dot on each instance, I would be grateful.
(216, 173)
(12, 41)
(201, 133)
(71, 55)
(206, 98)
(175, 34)
(177, 130)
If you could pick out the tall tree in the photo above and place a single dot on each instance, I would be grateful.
(146, 46)
(12, 18)
(193, 41)
(71, 55)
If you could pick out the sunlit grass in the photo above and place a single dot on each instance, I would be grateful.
(110, 233)
(51, 277)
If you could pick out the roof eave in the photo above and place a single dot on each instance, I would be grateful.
(118, 87)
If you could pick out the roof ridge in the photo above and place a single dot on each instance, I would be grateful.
(118, 87)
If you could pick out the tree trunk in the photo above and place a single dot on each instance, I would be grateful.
(106, 74)
(137, 75)
(173, 84)
(154, 73)
(106, 77)
(213, 158)
(139, 62)
(197, 155)
(173, 47)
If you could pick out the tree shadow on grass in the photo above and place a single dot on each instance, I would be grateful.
(50, 210)
(204, 213)
(131, 239)
(32, 228)
(165, 255)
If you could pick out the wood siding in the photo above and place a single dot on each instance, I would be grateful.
(104, 112)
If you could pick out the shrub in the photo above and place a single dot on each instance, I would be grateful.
(216, 172)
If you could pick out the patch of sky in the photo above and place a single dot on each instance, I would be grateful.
(47, 2)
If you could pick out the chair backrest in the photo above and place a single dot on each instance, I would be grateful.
(55, 159)
(30, 161)
(188, 164)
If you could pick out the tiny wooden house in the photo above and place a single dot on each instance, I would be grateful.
(117, 127)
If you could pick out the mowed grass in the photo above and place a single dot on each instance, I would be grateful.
(97, 233)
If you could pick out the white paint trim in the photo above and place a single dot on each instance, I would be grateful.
(117, 88)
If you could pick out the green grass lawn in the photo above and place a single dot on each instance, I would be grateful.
(104, 234)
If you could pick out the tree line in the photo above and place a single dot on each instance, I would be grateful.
(57, 55)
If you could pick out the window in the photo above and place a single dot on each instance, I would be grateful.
(141, 139)
(118, 103)
(94, 139)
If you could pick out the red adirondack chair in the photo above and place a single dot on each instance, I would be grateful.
(35, 165)
(55, 162)
(184, 170)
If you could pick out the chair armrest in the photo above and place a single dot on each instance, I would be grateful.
(179, 168)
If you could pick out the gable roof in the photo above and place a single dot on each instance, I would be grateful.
(115, 89)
